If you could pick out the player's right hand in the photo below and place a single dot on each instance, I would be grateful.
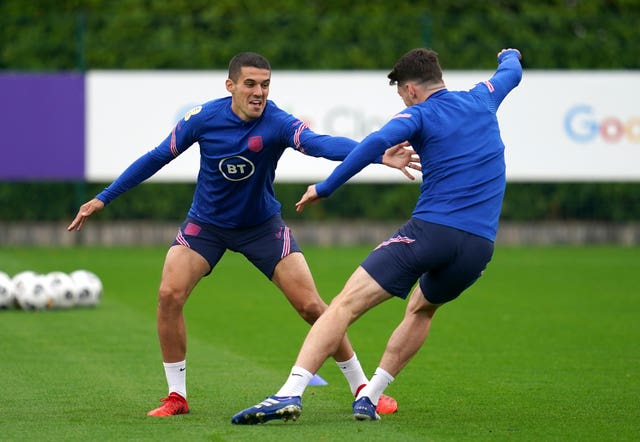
(85, 211)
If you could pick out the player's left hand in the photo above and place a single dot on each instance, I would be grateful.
(510, 49)
(310, 196)
(86, 210)
(402, 156)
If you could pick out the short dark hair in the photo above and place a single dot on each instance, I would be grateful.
(420, 65)
(243, 59)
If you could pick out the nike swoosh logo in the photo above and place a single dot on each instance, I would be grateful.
(183, 368)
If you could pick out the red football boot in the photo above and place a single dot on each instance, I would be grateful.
(171, 405)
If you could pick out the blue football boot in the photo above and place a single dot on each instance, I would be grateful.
(364, 410)
(273, 407)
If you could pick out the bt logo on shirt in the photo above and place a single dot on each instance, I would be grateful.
(236, 168)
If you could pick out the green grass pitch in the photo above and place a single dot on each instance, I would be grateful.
(546, 346)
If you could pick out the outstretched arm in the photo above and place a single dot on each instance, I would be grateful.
(182, 136)
(140, 170)
(137, 172)
(399, 157)
(337, 148)
(86, 210)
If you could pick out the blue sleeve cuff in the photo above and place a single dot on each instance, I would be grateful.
(104, 197)
(322, 190)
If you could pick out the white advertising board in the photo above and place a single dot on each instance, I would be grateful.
(557, 125)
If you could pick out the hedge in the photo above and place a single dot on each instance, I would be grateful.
(618, 202)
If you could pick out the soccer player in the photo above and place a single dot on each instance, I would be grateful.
(445, 245)
(241, 139)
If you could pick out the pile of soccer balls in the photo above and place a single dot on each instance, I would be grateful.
(56, 290)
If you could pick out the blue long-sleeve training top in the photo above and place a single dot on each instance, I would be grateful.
(457, 136)
(238, 160)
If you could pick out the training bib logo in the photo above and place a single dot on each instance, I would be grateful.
(236, 168)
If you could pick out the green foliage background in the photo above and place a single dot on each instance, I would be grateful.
(77, 35)
(330, 34)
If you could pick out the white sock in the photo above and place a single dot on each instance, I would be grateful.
(176, 373)
(296, 383)
(352, 370)
(379, 381)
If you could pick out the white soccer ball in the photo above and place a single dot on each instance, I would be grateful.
(89, 287)
(63, 291)
(20, 282)
(25, 274)
(31, 291)
(6, 291)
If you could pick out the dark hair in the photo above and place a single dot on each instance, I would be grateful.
(420, 65)
(246, 59)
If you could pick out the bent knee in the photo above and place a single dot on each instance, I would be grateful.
(311, 311)
(169, 296)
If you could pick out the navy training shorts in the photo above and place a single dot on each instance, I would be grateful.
(263, 245)
(445, 260)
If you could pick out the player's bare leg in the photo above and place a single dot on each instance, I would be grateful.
(410, 334)
(293, 276)
(324, 339)
(359, 294)
(182, 270)
(403, 344)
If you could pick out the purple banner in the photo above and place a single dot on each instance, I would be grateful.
(42, 127)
